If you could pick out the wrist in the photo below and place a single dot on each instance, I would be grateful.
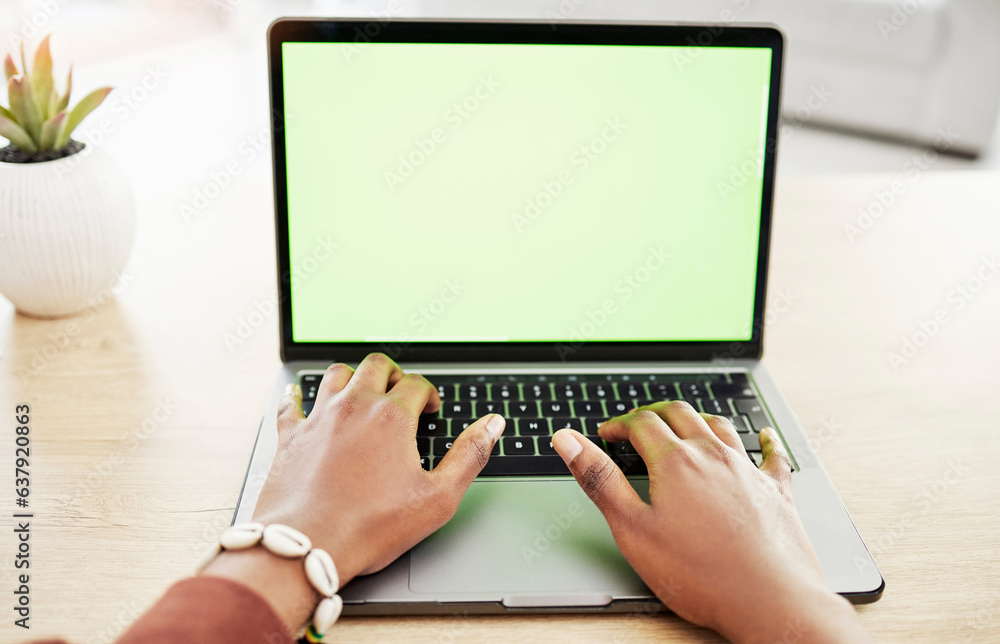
(806, 612)
(347, 552)
(281, 582)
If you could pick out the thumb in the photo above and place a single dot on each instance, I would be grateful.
(597, 474)
(469, 453)
(776, 463)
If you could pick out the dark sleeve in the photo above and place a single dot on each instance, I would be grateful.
(206, 610)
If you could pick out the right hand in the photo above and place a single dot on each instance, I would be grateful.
(720, 542)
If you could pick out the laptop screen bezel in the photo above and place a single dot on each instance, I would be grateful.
(358, 32)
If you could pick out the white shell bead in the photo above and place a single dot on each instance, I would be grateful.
(285, 542)
(321, 572)
(327, 613)
(240, 537)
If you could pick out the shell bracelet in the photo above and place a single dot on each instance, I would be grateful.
(283, 541)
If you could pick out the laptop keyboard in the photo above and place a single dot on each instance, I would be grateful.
(536, 406)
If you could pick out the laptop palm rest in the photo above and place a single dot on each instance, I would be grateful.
(530, 542)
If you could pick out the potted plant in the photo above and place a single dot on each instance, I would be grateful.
(67, 215)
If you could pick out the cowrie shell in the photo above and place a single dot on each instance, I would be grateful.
(240, 537)
(327, 613)
(285, 542)
(321, 572)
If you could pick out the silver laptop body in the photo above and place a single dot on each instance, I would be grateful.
(532, 543)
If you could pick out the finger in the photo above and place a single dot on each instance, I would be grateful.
(598, 475)
(377, 372)
(290, 407)
(776, 463)
(724, 429)
(416, 393)
(682, 419)
(469, 454)
(334, 380)
(647, 432)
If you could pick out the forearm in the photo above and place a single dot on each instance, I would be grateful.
(208, 610)
(811, 614)
(281, 582)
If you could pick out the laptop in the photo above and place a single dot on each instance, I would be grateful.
(556, 223)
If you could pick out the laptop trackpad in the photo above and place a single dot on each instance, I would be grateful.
(524, 537)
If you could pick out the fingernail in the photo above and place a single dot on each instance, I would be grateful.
(495, 426)
(567, 446)
(290, 389)
(767, 433)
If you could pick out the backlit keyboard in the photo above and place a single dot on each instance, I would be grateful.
(536, 406)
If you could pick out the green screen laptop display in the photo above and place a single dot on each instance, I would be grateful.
(533, 193)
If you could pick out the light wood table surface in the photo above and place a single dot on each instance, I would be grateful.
(143, 420)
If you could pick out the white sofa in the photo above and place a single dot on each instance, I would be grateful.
(924, 71)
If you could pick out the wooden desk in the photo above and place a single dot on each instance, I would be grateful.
(143, 420)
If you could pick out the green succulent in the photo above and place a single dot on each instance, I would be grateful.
(38, 118)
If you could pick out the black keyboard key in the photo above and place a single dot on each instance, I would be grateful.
(523, 409)
(588, 408)
(691, 389)
(423, 445)
(441, 446)
(715, 406)
(483, 408)
(505, 391)
(739, 377)
(567, 391)
(533, 426)
(566, 423)
(727, 390)
(644, 402)
(310, 385)
(591, 425)
(446, 392)
(432, 426)
(545, 446)
(538, 391)
(307, 406)
(662, 391)
(739, 424)
(472, 392)
(555, 408)
(625, 456)
(454, 409)
(459, 425)
(518, 446)
(751, 442)
(753, 410)
(543, 465)
(425, 462)
(631, 390)
(618, 407)
(599, 390)
(622, 448)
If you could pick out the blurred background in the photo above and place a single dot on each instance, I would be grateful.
(870, 85)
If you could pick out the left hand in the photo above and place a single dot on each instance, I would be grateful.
(349, 476)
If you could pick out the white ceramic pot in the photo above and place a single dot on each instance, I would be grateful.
(66, 229)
